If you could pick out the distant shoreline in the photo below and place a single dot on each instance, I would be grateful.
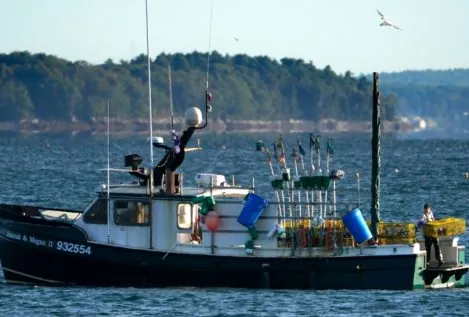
(140, 126)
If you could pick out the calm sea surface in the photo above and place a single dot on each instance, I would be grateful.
(64, 171)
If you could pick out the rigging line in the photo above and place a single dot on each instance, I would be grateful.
(34, 277)
(209, 42)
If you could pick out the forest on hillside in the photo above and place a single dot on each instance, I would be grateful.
(50, 88)
(458, 77)
(439, 94)
(445, 103)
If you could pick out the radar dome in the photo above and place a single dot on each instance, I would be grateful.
(193, 117)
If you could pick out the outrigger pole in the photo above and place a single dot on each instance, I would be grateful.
(375, 158)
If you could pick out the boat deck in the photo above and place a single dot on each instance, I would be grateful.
(447, 268)
(444, 272)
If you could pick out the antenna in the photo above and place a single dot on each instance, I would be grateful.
(209, 42)
(208, 95)
(108, 179)
(171, 97)
(149, 86)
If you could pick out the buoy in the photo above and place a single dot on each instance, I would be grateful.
(212, 220)
(249, 247)
(281, 233)
(260, 146)
(273, 231)
(466, 175)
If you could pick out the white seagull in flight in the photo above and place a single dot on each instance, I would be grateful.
(386, 22)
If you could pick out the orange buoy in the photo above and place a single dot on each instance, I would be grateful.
(212, 220)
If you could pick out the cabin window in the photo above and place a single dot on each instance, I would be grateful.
(184, 216)
(97, 213)
(131, 213)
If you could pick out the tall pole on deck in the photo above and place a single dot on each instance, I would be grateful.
(375, 157)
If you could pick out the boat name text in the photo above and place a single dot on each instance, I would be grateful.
(30, 239)
(58, 245)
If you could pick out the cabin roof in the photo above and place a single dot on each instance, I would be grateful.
(135, 190)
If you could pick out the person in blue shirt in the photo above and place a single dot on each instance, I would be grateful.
(428, 216)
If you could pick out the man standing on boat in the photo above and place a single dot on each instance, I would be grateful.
(427, 216)
(174, 155)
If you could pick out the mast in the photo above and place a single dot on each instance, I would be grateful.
(375, 157)
(149, 99)
(108, 205)
(150, 180)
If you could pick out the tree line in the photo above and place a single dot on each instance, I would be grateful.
(438, 94)
(47, 87)
(429, 77)
(50, 88)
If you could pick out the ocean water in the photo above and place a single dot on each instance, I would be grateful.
(65, 170)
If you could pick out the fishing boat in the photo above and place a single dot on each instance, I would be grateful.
(154, 231)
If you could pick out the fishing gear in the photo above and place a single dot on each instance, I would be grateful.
(279, 181)
(329, 152)
(269, 161)
(297, 182)
(302, 152)
(312, 142)
(317, 148)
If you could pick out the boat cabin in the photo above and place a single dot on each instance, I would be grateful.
(164, 221)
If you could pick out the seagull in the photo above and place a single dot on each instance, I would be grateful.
(386, 22)
(236, 39)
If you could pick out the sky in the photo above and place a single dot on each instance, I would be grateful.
(344, 34)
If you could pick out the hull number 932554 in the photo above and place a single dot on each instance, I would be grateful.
(73, 247)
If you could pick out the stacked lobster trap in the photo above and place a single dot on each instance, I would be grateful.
(308, 210)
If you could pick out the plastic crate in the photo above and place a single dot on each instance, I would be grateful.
(395, 229)
(299, 223)
(447, 227)
(336, 224)
(396, 240)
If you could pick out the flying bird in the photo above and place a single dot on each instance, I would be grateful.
(236, 39)
(386, 22)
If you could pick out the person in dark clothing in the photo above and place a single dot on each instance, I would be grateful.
(174, 156)
(427, 216)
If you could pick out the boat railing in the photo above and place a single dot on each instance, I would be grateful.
(62, 214)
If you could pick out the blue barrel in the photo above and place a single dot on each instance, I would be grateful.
(253, 208)
(356, 225)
